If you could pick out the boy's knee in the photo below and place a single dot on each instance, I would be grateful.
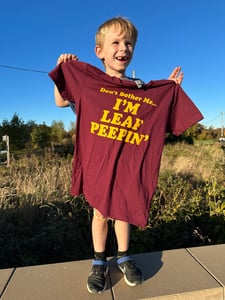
(98, 215)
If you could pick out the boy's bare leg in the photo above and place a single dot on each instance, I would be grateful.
(99, 231)
(122, 230)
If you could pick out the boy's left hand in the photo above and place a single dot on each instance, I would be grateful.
(176, 75)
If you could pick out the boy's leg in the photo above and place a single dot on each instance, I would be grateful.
(99, 231)
(132, 274)
(97, 278)
(122, 230)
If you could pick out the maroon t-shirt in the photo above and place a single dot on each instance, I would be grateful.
(120, 135)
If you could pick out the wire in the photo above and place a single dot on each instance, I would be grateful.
(23, 69)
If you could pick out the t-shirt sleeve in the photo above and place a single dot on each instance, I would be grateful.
(183, 114)
(58, 76)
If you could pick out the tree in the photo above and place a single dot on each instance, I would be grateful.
(196, 130)
(57, 131)
(41, 136)
(72, 132)
(18, 132)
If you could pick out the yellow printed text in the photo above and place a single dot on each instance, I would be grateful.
(119, 134)
(119, 119)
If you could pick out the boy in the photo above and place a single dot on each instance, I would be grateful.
(120, 132)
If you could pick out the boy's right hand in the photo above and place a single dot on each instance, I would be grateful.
(66, 57)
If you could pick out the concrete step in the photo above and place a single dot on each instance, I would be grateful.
(182, 274)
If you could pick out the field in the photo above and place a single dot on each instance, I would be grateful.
(41, 223)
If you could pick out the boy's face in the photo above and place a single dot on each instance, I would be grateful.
(116, 52)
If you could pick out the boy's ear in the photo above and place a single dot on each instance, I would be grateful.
(98, 52)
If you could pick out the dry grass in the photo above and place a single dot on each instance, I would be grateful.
(38, 180)
(35, 180)
(204, 162)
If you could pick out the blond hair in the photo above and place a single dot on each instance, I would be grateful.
(119, 23)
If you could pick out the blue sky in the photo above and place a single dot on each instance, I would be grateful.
(189, 33)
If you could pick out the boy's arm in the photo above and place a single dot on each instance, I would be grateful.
(59, 100)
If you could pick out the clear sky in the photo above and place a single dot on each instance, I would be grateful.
(188, 33)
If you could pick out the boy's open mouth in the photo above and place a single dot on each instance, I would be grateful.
(122, 58)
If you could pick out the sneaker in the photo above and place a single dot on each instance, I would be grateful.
(132, 274)
(97, 279)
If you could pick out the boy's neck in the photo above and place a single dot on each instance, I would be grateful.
(117, 74)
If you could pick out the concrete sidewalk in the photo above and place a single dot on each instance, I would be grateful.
(192, 273)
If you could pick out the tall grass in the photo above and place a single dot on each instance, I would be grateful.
(40, 222)
(35, 181)
(204, 162)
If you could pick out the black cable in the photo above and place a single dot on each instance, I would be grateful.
(22, 69)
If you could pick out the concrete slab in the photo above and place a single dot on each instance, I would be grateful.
(213, 259)
(172, 274)
(5, 275)
(211, 294)
(52, 282)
